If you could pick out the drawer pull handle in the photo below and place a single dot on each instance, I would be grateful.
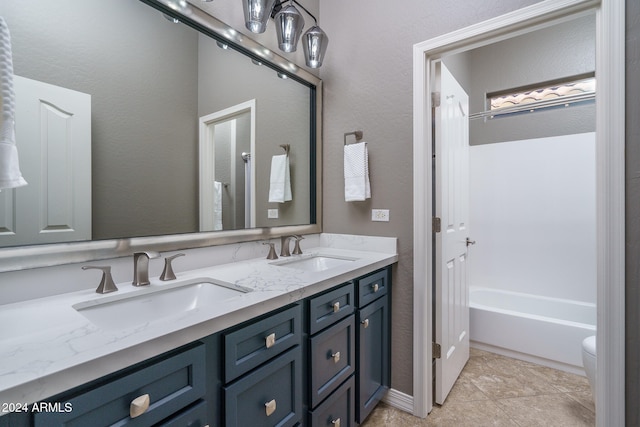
(365, 322)
(336, 357)
(336, 307)
(270, 407)
(270, 340)
(139, 406)
(336, 422)
(376, 288)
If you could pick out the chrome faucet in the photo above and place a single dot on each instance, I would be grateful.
(141, 267)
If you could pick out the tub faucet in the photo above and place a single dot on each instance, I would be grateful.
(141, 267)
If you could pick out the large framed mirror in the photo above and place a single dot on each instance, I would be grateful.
(151, 125)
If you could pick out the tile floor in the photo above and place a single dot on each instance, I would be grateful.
(494, 390)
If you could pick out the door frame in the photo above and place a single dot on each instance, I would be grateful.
(610, 188)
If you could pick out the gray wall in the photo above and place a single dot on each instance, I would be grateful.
(633, 213)
(123, 42)
(368, 86)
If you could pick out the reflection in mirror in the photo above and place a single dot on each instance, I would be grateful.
(150, 83)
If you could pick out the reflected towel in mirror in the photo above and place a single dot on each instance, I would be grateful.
(10, 175)
(280, 183)
(217, 205)
(356, 172)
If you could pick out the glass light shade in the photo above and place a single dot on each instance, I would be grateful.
(314, 44)
(289, 25)
(256, 14)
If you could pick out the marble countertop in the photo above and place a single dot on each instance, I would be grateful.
(47, 346)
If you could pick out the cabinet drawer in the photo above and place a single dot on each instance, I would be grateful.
(338, 410)
(269, 396)
(196, 416)
(372, 287)
(171, 384)
(326, 309)
(250, 346)
(332, 358)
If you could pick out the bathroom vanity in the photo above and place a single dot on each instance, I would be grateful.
(303, 340)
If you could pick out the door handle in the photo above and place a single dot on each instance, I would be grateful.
(470, 242)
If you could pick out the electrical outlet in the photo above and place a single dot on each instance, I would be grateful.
(272, 213)
(380, 215)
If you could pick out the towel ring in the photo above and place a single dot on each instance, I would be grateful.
(358, 134)
(286, 148)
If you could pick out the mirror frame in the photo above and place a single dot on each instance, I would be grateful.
(26, 257)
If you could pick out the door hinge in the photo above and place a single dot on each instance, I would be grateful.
(435, 224)
(435, 99)
(435, 350)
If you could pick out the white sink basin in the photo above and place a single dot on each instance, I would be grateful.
(151, 305)
(314, 262)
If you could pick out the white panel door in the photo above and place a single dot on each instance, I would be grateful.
(53, 136)
(451, 189)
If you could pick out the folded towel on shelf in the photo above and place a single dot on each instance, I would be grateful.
(10, 175)
(356, 172)
(217, 205)
(280, 182)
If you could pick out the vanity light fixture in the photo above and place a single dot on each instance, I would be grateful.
(220, 44)
(289, 24)
(256, 14)
(314, 44)
(283, 76)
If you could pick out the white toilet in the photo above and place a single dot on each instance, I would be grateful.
(589, 361)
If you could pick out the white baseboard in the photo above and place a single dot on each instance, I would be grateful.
(399, 400)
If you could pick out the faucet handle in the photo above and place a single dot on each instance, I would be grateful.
(296, 248)
(272, 251)
(167, 273)
(106, 284)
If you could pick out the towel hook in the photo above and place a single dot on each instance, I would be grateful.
(286, 148)
(358, 134)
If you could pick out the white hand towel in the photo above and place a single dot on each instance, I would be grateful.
(10, 175)
(280, 182)
(356, 172)
(217, 205)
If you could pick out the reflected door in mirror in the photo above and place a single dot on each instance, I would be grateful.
(53, 136)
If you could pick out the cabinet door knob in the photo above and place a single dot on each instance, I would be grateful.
(270, 340)
(336, 422)
(139, 405)
(365, 322)
(336, 306)
(375, 288)
(270, 407)
(336, 357)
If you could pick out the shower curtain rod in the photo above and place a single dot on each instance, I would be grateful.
(565, 100)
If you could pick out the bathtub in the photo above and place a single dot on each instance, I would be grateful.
(548, 331)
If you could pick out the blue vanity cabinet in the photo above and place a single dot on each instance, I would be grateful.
(331, 357)
(373, 337)
(169, 391)
(323, 361)
(263, 371)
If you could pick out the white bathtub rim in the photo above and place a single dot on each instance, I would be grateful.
(476, 305)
